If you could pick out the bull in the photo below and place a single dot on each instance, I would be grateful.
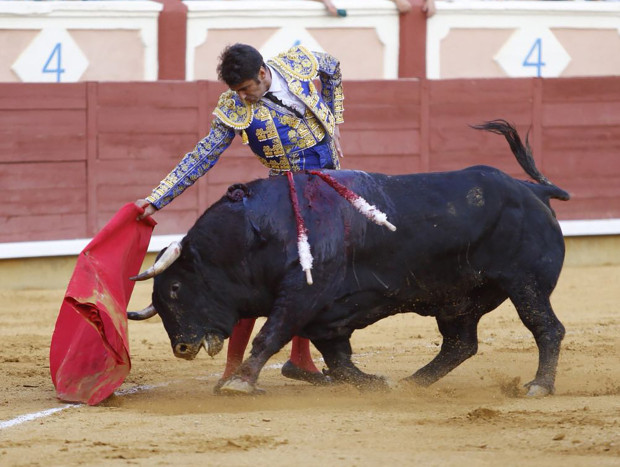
(466, 241)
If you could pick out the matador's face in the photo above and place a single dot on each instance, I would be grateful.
(251, 90)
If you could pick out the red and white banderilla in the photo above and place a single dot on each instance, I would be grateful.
(303, 246)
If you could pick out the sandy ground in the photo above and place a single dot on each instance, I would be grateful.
(165, 413)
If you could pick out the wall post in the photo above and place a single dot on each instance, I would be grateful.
(172, 38)
(412, 49)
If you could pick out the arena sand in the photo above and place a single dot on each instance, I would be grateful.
(166, 414)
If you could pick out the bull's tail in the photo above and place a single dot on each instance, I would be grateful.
(523, 154)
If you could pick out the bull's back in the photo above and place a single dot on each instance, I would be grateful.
(440, 217)
(446, 220)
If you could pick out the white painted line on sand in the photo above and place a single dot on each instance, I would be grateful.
(33, 416)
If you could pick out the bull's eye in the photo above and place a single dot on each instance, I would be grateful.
(174, 289)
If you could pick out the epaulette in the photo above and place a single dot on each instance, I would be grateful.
(233, 112)
(297, 62)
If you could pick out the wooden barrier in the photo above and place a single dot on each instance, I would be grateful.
(72, 154)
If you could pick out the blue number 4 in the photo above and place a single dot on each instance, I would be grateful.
(56, 56)
(535, 52)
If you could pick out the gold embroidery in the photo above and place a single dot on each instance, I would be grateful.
(275, 150)
(297, 62)
(315, 127)
(269, 132)
(289, 120)
(312, 88)
(233, 112)
(313, 102)
(276, 165)
(262, 113)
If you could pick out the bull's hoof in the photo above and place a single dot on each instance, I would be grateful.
(415, 380)
(292, 371)
(374, 383)
(535, 390)
(236, 387)
(362, 381)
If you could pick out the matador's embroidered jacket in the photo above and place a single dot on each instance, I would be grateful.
(277, 136)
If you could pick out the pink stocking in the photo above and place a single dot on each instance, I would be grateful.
(236, 345)
(300, 355)
(300, 351)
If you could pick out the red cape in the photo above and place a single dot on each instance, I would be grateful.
(89, 352)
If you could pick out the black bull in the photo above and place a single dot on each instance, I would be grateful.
(465, 242)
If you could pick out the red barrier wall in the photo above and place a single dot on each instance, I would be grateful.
(72, 154)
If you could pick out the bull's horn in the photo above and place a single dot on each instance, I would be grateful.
(147, 313)
(166, 259)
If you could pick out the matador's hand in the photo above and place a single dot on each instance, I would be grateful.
(149, 209)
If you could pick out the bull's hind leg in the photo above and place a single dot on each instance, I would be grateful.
(535, 311)
(337, 355)
(460, 341)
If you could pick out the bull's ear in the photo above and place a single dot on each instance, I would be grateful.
(237, 192)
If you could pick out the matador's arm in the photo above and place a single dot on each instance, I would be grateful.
(194, 165)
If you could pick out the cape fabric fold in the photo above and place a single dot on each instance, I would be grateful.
(89, 352)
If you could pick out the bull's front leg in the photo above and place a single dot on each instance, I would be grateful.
(337, 355)
(275, 333)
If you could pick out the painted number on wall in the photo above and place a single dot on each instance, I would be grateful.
(55, 60)
(534, 57)
(52, 57)
(533, 52)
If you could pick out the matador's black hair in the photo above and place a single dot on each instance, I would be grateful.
(239, 63)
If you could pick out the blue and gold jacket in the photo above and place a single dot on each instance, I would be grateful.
(274, 134)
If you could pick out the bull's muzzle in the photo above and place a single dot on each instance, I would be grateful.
(188, 351)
